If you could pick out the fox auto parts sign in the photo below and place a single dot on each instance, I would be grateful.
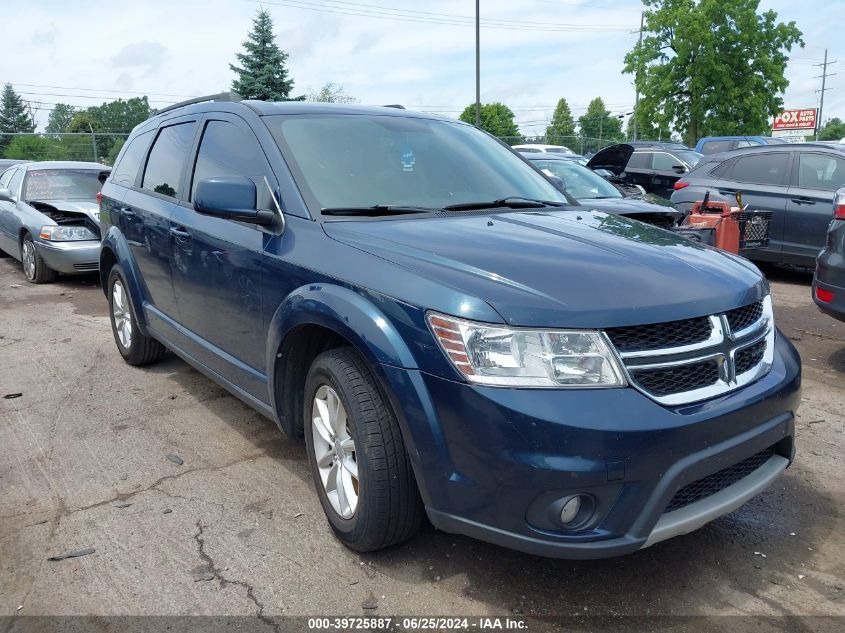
(796, 120)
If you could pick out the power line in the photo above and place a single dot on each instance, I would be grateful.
(56, 94)
(404, 15)
(123, 92)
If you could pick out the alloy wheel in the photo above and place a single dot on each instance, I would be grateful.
(28, 259)
(335, 452)
(122, 314)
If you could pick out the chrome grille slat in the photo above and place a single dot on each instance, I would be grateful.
(738, 349)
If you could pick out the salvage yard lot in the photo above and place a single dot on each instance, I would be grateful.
(237, 527)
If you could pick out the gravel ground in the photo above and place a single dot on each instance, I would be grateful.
(236, 529)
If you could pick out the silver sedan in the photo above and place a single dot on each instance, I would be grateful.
(50, 217)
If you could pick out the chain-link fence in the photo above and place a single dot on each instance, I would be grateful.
(97, 147)
(583, 145)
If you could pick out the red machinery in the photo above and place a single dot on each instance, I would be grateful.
(726, 227)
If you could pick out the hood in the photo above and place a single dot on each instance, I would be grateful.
(629, 206)
(89, 208)
(614, 158)
(573, 268)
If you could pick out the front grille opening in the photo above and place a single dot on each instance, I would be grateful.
(660, 335)
(666, 381)
(741, 318)
(749, 357)
(711, 484)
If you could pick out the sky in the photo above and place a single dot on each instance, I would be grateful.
(533, 52)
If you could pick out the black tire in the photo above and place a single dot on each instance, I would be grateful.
(142, 350)
(389, 509)
(42, 273)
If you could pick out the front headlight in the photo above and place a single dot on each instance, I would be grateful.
(511, 357)
(67, 233)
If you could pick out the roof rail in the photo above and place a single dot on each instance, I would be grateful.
(221, 96)
(394, 105)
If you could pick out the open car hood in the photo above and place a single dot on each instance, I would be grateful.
(614, 158)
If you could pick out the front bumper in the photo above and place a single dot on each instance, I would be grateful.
(70, 257)
(490, 461)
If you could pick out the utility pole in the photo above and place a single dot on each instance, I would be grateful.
(823, 77)
(477, 65)
(93, 141)
(637, 77)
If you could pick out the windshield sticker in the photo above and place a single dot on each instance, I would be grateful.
(408, 160)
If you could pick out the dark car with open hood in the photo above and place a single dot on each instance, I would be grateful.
(450, 334)
(654, 167)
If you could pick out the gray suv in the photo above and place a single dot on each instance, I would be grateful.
(795, 183)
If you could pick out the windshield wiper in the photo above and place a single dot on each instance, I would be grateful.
(375, 210)
(513, 202)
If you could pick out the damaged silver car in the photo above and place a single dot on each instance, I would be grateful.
(50, 217)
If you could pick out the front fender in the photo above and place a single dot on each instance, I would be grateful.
(346, 313)
(115, 243)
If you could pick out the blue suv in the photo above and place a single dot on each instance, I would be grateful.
(451, 335)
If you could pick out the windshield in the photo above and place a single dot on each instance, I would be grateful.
(62, 184)
(581, 183)
(690, 157)
(353, 161)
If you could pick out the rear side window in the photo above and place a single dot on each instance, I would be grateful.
(761, 169)
(639, 160)
(228, 150)
(126, 169)
(664, 162)
(819, 171)
(723, 170)
(167, 159)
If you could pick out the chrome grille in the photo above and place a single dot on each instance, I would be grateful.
(690, 360)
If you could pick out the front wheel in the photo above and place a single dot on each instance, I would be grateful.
(35, 269)
(358, 460)
(135, 347)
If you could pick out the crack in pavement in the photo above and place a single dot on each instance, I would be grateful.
(212, 568)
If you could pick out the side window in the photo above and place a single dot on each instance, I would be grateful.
(818, 171)
(723, 170)
(664, 162)
(715, 147)
(167, 159)
(126, 169)
(6, 177)
(229, 150)
(639, 160)
(761, 169)
(15, 182)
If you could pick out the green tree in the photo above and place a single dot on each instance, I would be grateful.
(651, 129)
(15, 115)
(80, 147)
(832, 130)
(115, 150)
(59, 118)
(562, 123)
(262, 73)
(496, 118)
(120, 116)
(330, 93)
(34, 147)
(597, 123)
(712, 66)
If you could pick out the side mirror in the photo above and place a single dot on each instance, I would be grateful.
(230, 198)
(679, 169)
(6, 196)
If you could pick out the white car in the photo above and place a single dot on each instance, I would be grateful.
(550, 149)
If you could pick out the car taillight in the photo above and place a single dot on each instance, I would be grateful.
(839, 204)
(99, 197)
(680, 185)
(825, 296)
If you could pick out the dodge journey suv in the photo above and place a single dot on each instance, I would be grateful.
(451, 335)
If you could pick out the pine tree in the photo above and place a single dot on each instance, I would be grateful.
(15, 116)
(562, 124)
(262, 73)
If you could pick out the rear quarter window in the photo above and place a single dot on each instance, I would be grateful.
(168, 156)
(129, 163)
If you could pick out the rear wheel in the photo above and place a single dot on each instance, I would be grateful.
(35, 269)
(135, 347)
(356, 453)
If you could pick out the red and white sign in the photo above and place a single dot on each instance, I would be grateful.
(796, 120)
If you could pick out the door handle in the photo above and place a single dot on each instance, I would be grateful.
(180, 234)
(802, 201)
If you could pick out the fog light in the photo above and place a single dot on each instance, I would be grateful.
(570, 509)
